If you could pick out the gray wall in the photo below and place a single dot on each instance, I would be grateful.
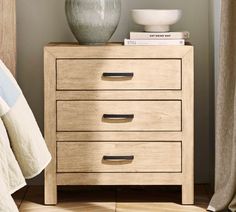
(217, 12)
(40, 22)
(212, 90)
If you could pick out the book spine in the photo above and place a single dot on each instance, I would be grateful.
(178, 42)
(159, 36)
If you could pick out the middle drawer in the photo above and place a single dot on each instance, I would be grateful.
(119, 115)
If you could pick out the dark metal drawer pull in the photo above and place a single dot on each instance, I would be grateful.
(118, 116)
(118, 158)
(117, 74)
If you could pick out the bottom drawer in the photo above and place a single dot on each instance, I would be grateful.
(119, 157)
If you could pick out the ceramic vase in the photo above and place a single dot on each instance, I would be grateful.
(93, 21)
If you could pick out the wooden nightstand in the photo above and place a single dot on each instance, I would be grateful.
(118, 115)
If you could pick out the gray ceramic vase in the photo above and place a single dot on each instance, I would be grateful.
(93, 21)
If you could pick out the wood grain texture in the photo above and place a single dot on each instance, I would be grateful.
(82, 110)
(156, 207)
(50, 126)
(147, 74)
(70, 200)
(119, 178)
(75, 51)
(119, 136)
(148, 157)
(188, 129)
(148, 115)
(71, 206)
(8, 34)
(117, 95)
(111, 199)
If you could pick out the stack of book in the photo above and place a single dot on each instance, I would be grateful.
(157, 38)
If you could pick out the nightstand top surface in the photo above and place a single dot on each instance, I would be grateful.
(118, 44)
(116, 50)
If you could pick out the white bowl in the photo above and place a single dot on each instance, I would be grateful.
(156, 20)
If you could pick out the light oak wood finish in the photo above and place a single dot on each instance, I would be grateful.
(148, 157)
(111, 199)
(75, 116)
(147, 74)
(156, 207)
(188, 128)
(8, 34)
(73, 206)
(111, 51)
(148, 115)
(117, 95)
(119, 179)
(71, 199)
(119, 136)
(50, 126)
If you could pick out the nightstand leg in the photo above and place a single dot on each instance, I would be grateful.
(50, 189)
(188, 194)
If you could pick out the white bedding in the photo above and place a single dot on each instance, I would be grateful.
(23, 152)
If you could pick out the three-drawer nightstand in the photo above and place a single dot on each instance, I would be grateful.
(119, 115)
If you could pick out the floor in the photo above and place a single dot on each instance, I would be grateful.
(112, 199)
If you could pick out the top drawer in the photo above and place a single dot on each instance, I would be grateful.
(119, 74)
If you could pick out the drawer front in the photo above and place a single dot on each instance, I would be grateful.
(118, 74)
(119, 116)
(119, 157)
